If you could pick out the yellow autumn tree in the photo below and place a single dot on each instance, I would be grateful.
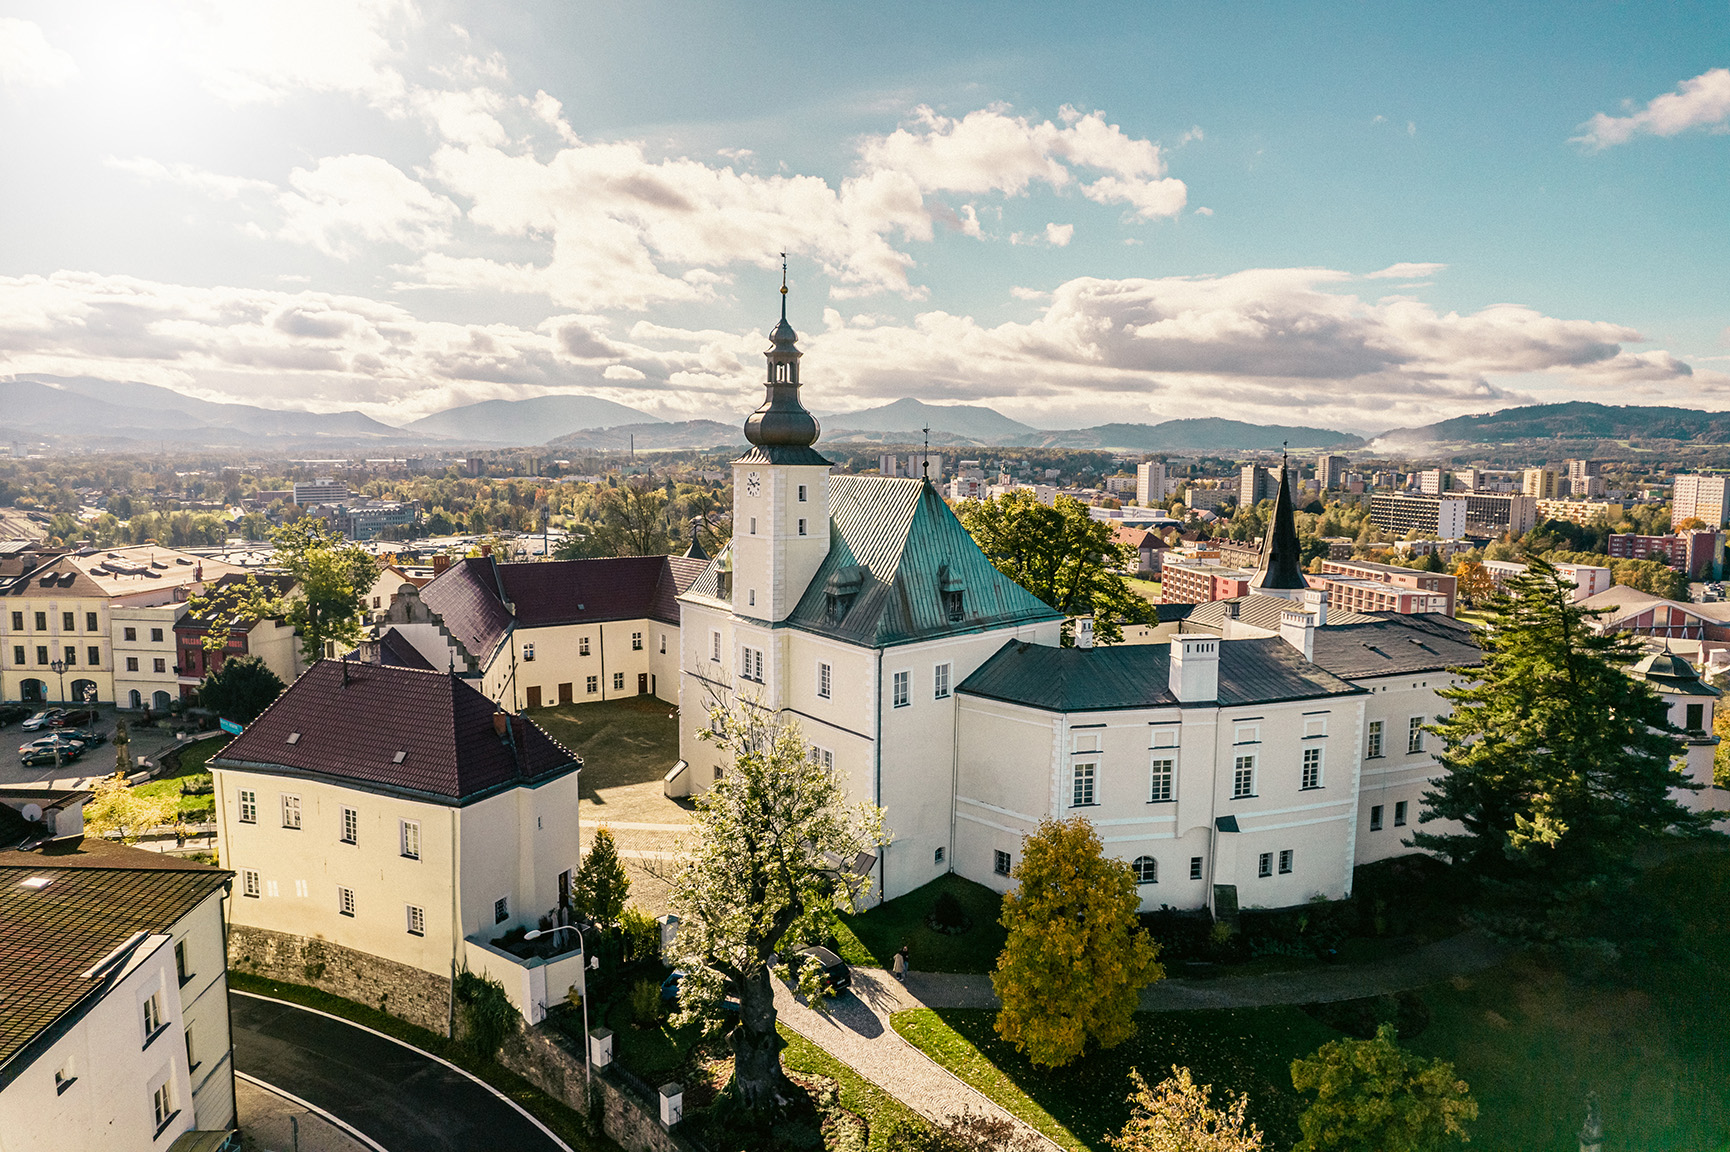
(1076, 960)
(1179, 1115)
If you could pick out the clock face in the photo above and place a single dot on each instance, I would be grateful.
(753, 483)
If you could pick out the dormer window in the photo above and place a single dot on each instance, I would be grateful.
(950, 590)
(952, 606)
(840, 590)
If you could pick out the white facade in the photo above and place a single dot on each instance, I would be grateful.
(1704, 497)
(1151, 484)
(144, 656)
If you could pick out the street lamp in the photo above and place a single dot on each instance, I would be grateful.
(588, 1041)
(59, 667)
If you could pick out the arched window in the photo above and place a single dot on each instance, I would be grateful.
(1146, 870)
(136, 700)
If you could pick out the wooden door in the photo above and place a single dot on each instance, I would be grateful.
(564, 693)
(534, 696)
(642, 683)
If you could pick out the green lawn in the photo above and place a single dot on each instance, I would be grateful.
(872, 938)
(1246, 1051)
(1653, 1040)
(629, 741)
(1147, 589)
(194, 764)
(881, 1111)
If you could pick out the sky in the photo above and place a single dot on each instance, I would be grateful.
(1349, 216)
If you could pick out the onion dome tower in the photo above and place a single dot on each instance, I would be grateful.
(781, 430)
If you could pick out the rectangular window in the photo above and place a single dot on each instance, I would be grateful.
(1375, 817)
(618, 681)
(901, 684)
(70, 654)
(593, 685)
(132, 663)
(1399, 814)
(1264, 865)
(130, 633)
(162, 1105)
(90, 621)
(1696, 718)
(248, 806)
(663, 643)
(937, 856)
(41, 621)
(715, 647)
(1159, 781)
(1243, 778)
(156, 635)
(152, 1015)
(41, 654)
(802, 526)
(582, 646)
(940, 682)
(416, 921)
(801, 495)
(1415, 735)
(248, 882)
(181, 971)
(290, 811)
(1374, 747)
(753, 525)
(1312, 775)
(953, 611)
(66, 619)
(528, 653)
(93, 656)
(64, 1076)
(636, 641)
(17, 653)
(1285, 861)
(823, 756)
(160, 664)
(18, 622)
(1000, 864)
(410, 839)
(350, 826)
(1195, 867)
(825, 681)
(501, 909)
(345, 901)
(1081, 785)
(191, 1063)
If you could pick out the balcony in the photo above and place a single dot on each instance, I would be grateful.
(536, 977)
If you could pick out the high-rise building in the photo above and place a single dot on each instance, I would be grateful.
(1433, 482)
(1704, 498)
(1330, 473)
(1150, 483)
(1441, 517)
(1538, 482)
(1256, 484)
(1496, 513)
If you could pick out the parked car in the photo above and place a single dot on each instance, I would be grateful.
(37, 757)
(56, 739)
(43, 719)
(670, 992)
(89, 735)
(837, 977)
(74, 719)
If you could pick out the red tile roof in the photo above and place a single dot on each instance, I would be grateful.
(466, 597)
(392, 729)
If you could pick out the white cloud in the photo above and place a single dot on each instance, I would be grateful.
(267, 50)
(215, 185)
(1204, 211)
(622, 372)
(1405, 271)
(27, 60)
(1702, 102)
(1059, 235)
(361, 197)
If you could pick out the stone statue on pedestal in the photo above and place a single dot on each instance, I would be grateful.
(1592, 1131)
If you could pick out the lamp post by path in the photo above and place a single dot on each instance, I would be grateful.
(588, 962)
(59, 667)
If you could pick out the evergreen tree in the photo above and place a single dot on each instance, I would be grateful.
(1557, 763)
(1076, 959)
(241, 689)
(601, 887)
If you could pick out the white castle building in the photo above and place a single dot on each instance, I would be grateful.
(1254, 760)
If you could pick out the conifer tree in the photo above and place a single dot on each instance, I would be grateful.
(1076, 960)
(601, 886)
(1557, 763)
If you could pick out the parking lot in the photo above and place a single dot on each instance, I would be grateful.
(99, 761)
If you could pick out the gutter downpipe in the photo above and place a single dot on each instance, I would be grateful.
(877, 755)
(954, 769)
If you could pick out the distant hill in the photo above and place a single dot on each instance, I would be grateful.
(1576, 420)
(661, 434)
(1203, 434)
(907, 415)
(521, 422)
(85, 408)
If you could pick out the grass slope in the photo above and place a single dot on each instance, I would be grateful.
(194, 761)
(872, 938)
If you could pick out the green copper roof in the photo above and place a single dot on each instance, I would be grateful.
(896, 542)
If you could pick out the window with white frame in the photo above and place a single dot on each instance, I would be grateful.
(823, 756)
(802, 531)
(825, 680)
(411, 839)
(1146, 870)
(1373, 747)
(1082, 779)
(162, 1104)
(940, 682)
(1195, 867)
(1264, 865)
(152, 1015)
(636, 641)
(1285, 861)
(290, 811)
(528, 653)
(1159, 780)
(248, 806)
(1415, 734)
(801, 493)
(1243, 777)
(618, 681)
(345, 901)
(592, 685)
(249, 885)
(751, 664)
(416, 921)
(582, 646)
(1000, 863)
(350, 826)
(715, 647)
(901, 682)
(1312, 774)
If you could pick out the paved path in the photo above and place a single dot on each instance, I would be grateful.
(273, 1122)
(398, 1096)
(856, 1032)
(1432, 963)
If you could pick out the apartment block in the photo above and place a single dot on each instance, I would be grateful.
(1433, 583)
(1581, 511)
(1699, 554)
(1700, 497)
(1188, 581)
(1497, 514)
(1330, 472)
(1442, 517)
(1539, 483)
(1152, 485)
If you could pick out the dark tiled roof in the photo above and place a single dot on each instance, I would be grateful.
(611, 588)
(396, 650)
(352, 733)
(50, 936)
(1260, 610)
(1262, 671)
(1389, 644)
(898, 544)
(466, 597)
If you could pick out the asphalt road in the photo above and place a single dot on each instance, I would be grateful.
(399, 1097)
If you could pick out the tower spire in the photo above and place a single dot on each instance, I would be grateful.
(783, 287)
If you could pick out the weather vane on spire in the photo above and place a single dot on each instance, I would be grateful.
(783, 285)
(925, 461)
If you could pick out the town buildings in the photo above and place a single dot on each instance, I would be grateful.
(1588, 579)
(1705, 498)
(1330, 472)
(1699, 553)
(273, 641)
(1190, 579)
(387, 825)
(1152, 486)
(114, 1029)
(1538, 483)
(1438, 588)
(1442, 517)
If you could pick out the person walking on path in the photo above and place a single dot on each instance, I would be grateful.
(899, 965)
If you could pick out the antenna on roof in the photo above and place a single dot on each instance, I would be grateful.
(925, 460)
(783, 286)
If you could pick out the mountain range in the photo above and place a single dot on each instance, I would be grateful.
(78, 407)
(1576, 420)
(536, 420)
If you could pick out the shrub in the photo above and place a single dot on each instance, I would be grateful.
(485, 1014)
(645, 1003)
(639, 934)
(948, 916)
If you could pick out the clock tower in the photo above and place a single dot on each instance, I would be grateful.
(780, 491)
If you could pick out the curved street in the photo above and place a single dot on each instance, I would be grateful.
(396, 1095)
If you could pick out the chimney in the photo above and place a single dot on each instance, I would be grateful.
(1084, 632)
(440, 563)
(1316, 604)
(486, 550)
(1299, 630)
(1195, 669)
(500, 723)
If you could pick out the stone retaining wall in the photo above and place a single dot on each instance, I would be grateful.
(410, 994)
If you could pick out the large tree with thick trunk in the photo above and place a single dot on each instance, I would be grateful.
(779, 849)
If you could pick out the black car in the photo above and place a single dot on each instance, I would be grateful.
(86, 736)
(37, 757)
(837, 977)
